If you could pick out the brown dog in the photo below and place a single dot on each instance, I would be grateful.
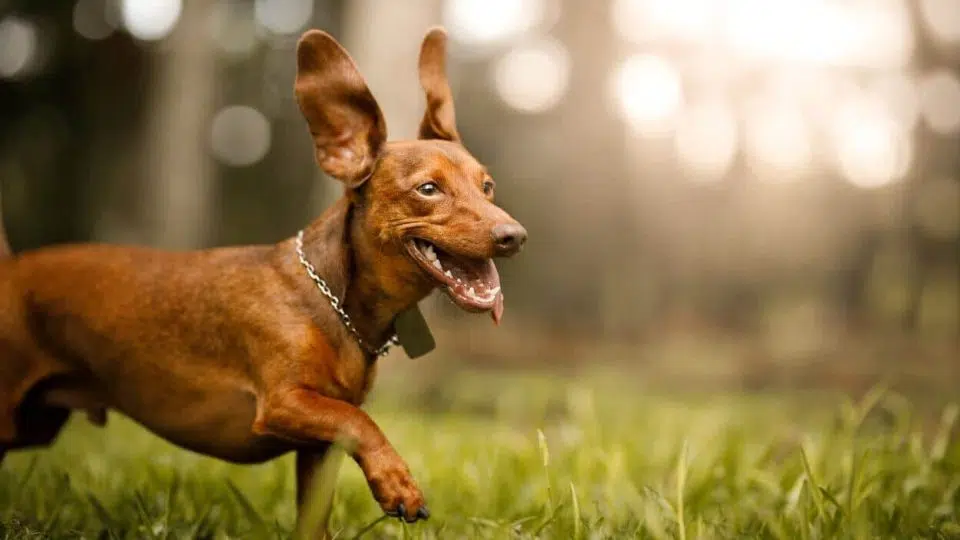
(233, 352)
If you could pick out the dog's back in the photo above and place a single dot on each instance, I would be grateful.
(74, 319)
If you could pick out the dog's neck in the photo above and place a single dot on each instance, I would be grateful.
(346, 255)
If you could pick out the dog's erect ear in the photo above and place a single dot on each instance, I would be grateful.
(439, 121)
(345, 121)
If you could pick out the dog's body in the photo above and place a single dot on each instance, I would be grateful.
(233, 352)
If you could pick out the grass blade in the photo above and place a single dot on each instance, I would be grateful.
(681, 485)
(369, 527)
(576, 511)
(318, 504)
(805, 523)
(200, 523)
(814, 486)
(168, 507)
(28, 472)
(550, 518)
(104, 515)
(142, 511)
(252, 515)
(545, 458)
(942, 439)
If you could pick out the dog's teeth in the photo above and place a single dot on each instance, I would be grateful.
(428, 251)
(494, 290)
(449, 275)
(437, 265)
(471, 292)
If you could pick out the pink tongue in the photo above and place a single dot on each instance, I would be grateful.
(497, 312)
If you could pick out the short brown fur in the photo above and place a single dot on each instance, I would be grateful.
(232, 352)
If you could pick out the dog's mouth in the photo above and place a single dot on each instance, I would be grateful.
(472, 284)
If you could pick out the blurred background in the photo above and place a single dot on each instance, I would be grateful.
(720, 193)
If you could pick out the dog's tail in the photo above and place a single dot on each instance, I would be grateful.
(5, 250)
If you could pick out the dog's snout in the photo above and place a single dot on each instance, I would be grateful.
(508, 238)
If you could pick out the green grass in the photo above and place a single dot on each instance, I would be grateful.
(522, 457)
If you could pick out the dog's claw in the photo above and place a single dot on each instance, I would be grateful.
(401, 512)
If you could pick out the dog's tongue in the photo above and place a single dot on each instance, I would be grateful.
(497, 312)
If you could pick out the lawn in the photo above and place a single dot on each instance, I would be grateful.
(528, 457)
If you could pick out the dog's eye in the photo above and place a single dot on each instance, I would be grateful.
(488, 186)
(429, 189)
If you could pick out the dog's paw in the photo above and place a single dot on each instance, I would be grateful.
(401, 512)
(396, 491)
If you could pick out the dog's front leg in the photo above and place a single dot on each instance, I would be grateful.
(311, 419)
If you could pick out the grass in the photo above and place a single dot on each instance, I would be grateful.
(525, 457)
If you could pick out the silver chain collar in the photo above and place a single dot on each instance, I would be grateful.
(335, 303)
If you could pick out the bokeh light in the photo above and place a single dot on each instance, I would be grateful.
(777, 139)
(859, 33)
(533, 78)
(18, 46)
(774, 29)
(234, 28)
(489, 22)
(283, 16)
(899, 94)
(649, 91)
(706, 140)
(942, 17)
(240, 135)
(940, 101)
(872, 148)
(644, 21)
(883, 35)
(91, 19)
(150, 20)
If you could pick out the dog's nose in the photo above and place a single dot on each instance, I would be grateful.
(508, 238)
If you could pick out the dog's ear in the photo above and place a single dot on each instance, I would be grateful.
(345, 121)
(439, 121)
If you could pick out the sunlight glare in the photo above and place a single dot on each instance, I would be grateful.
(706, 140)
(649, 92)
(533, 78)
(859, 33)
(640, 21)
(488, 22)
(777, 138)
(150, 20)
(872, 148)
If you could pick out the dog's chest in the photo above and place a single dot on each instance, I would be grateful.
(338, 372)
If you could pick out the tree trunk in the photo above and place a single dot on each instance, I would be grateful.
(178, 168)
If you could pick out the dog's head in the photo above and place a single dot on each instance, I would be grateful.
(428, 204)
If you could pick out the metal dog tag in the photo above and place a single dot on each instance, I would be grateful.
(413, 332)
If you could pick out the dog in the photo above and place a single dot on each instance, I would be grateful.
(249, 353)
